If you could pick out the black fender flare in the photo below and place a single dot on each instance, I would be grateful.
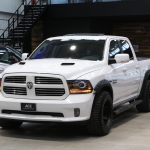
(103, 84)
(146, 77)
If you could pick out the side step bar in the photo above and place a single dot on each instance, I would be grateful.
(126, 107)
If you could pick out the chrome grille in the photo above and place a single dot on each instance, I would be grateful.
(15, 90)
(49, 91)
(45, 86)
(15, 79)
(47, 80)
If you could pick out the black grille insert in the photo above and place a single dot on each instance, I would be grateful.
(49, 91)
(47, 80)
(15, 79)
(15, 90)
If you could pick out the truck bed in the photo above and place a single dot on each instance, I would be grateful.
(142, 58)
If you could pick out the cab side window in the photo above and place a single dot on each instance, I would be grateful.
(126, 49)
(4, 55)
(114, 48)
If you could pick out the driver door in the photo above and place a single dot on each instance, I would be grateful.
(116, 75)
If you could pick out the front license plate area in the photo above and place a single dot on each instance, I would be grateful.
(28, 107)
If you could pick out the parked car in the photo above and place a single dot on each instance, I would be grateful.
(75, 78)
(8, 56)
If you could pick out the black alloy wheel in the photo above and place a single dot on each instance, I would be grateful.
(100, 121)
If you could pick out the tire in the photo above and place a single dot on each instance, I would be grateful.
(100, 121)
(10, 124)
(145, 105)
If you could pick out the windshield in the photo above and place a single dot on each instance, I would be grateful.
(74, 49)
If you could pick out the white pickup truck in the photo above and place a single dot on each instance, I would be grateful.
(75, 78)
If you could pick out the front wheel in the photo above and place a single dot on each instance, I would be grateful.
(10, 124)
(100, 121)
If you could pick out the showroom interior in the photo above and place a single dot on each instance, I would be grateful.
(24, 24)
(128, 18)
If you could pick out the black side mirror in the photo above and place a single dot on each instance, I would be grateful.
(111, 61)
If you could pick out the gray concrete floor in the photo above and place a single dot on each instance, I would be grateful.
(130, 131)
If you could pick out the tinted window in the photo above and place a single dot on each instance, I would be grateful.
(126, 48)
(74, 49)
(114, 49)
(3, 55)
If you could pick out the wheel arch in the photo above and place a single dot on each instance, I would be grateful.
(104, 85)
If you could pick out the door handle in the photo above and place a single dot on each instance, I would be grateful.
(124, 69)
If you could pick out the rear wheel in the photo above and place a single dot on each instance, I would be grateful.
(145, 105)
(10, 124)
(100, 121)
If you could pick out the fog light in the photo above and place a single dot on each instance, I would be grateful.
(76, 112)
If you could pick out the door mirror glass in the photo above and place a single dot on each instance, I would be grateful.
(122, 58)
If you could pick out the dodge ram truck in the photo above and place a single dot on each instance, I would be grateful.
(75, 78)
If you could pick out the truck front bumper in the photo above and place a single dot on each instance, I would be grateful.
(66, 107)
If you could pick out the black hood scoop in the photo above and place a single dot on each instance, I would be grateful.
(67, 64)
(22, 63)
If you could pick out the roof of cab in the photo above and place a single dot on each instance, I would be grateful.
(90, 36)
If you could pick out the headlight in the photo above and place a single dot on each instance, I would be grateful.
(79, 86)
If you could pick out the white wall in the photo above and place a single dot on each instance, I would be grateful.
(7, 8)
(9, 5)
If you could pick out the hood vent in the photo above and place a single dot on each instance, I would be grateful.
(67, 64)
(22, 63)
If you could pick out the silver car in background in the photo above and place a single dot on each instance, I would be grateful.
(8, 56)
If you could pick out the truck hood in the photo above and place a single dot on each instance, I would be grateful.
(69, 68)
